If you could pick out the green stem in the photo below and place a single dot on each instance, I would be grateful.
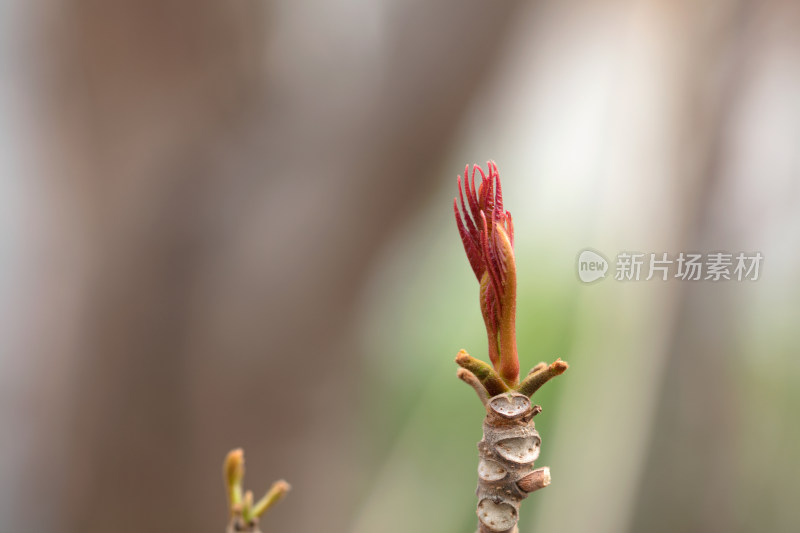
(534, 381)
(277, 491)
(484, 372)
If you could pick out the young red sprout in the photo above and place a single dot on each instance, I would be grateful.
(487, 231)
(510, 443)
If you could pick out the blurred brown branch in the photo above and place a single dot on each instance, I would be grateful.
(230, 176)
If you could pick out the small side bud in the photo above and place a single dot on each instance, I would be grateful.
(277, 491)
(470, 379)
(484, 372)
(538, 479)
(233, 473)
(244, 513)
(534, 381)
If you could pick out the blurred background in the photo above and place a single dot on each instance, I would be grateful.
(230, 224)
